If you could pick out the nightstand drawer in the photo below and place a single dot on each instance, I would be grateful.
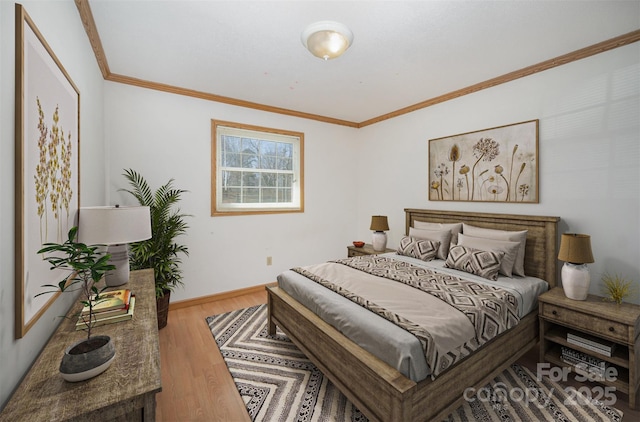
(599, 326)
(367, 249)
(353, 252)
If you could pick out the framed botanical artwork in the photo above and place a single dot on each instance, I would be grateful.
(47, 166)
(490, 165)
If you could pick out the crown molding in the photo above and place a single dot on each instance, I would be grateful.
(92, 32)
(592, 50)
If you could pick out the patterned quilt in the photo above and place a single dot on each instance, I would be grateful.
(490, 309)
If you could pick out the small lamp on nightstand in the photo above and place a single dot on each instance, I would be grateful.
(575, 251)
(379, 225)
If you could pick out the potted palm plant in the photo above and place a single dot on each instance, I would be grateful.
(87, 264)
(161, 252)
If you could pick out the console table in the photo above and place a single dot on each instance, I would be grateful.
(125, 391)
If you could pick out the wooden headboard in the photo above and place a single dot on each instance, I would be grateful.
(541, 254)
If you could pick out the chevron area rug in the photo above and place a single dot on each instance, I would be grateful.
(278, 383)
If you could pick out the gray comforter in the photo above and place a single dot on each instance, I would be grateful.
(440, 332)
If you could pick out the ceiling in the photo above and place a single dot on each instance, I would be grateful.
(404, 52)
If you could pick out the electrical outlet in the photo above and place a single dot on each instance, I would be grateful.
(269, 261)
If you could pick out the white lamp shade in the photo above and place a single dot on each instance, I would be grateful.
(113, 225)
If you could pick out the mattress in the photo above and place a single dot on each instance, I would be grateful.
(390, 343)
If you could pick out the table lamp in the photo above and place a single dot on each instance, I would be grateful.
(114, 226)
(575, 251)
(379, 225)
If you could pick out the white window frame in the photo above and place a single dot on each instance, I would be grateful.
(219, 129)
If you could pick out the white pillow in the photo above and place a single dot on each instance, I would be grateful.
(442, 236)
(455, 228)
(510, 250)
(514, 236)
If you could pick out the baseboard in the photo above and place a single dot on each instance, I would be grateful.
(219, 296)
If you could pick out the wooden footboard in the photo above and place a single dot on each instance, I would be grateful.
(380, 391)
(377, 389)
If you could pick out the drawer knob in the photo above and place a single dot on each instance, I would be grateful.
(554, 312)
(612, 329)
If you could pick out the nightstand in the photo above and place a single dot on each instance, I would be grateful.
(367, 249)
(617, 324)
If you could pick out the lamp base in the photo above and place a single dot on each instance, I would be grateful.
(119, 258)
(575, 280)
(379, 241)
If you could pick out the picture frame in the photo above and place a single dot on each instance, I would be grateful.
(47, 166)
(498, 164)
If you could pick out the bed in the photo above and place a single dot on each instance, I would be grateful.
(380, 390)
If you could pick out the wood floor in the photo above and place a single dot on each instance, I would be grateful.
(196, 385)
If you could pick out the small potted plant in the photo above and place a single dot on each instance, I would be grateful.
(616, 288)
(86, 265)
(161, 252)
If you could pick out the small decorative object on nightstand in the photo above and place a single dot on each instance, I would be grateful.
(603, 337)
(616, 287)
(575, 250)
(379, 225)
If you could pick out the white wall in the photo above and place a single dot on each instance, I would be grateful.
(165, 136)
(589, 155)
(589, 164)
(59, 23)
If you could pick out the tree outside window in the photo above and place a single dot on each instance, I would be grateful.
(256, 169)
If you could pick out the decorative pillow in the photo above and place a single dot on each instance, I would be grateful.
(443, 237)
(510, 250)
(485, 264)
(425, 250)
(454, 228)
(514, 236)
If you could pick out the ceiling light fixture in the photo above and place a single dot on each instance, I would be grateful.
(327, 39)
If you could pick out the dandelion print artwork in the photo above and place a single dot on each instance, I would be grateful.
(491, 165)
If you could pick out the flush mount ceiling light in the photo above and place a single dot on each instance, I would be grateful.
(327, 39)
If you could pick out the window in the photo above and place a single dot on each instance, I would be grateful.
(256, 170)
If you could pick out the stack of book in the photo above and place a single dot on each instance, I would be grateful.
(113, 306)
(585, 364)
(588, 342)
